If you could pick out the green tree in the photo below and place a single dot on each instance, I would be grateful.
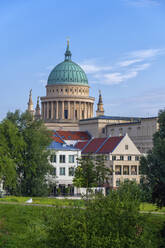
(91, 172)
(85, 174)
(153, 165)
(112, 221)
(11, 146)
(27, 147)
(102, 171)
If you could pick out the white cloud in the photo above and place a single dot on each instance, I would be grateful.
(90, 68)
(146, 53)
(116, 78)
(127, 68)
(126, 63)
(143, 3)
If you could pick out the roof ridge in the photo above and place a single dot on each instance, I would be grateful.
(59, 136)
(118, 142)
(87, 144)
(102, 144)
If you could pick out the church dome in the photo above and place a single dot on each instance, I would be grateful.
(67, 72)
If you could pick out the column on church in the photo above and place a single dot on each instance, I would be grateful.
(80, 111)
(91, 110)
(62, 110)
(69, 110)
(47, 110)
(85, 110)
(57, 116)
(52, 111)
(74, 109)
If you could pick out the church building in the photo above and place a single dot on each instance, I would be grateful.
(68, 106)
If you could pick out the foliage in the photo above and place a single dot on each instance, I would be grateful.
(91, 172)
(23, 144)
(112, 221)
(153, 165)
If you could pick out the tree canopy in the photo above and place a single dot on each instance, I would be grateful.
(91, 172)
(24, 154)
(153, 165)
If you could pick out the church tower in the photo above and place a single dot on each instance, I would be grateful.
(30, 104)
(37, 110)
(100, 109)
(67, 97)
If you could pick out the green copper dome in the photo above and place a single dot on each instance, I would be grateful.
(67, 72)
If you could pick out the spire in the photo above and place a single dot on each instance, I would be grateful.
(37, 112)
(30, 103)
(100, 109)
(68, 52)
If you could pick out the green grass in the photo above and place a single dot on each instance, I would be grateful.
(21, 226)
(27, 226)
(69, 202)
(151, 208)
(44, 201)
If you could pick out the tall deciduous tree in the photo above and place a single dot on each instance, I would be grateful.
(27, 149)
(153, 165)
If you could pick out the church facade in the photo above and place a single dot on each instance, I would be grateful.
(68, 106)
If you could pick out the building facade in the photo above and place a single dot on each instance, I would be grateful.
(121, 156)
(64, 160)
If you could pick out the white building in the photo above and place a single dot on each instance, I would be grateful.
(64, 160)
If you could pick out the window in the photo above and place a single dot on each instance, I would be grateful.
(117, 170)
(129, 158)
(53, 158)
(103, 130)
(117, 182)
(76, 114)
(62, 158)
(71, 158)
(121, 157)
(62, 171)
(126, 147)
(136, 158)
(126, 180)
(66, 114)
(71, 171)
(125, 170)
(113, 157)
(82, 114)
(133, 170)
(54, 171)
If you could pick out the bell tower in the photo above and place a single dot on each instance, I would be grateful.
(100, 109)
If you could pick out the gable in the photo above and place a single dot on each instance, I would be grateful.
(125, 143)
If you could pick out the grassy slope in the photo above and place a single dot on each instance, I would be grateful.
(68, 202)
(26, 226)
(23, 226)
(44, 200)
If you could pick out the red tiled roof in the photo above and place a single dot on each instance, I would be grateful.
(110, 145)
(73, 135)
(93, 145)
(80, 145)
(57, 139)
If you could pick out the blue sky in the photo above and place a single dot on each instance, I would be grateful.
(119, 43)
